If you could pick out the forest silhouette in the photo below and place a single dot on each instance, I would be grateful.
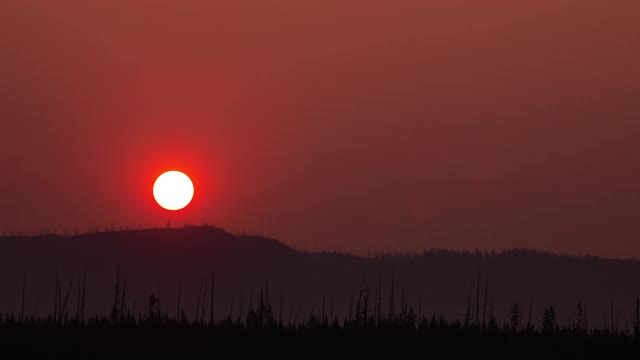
(200, 285)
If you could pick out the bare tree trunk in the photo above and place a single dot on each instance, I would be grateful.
(59, 294)
(290, 313)
(331, 311)
(467, 315)
(295, 321)
(122, 302)
(391, 309)
(241, 306)
(197, 314)
(79, 296)
(24, 289)
(353, 294)
(478, 300)
(213, 292)
(251, 298)
(116, 294)
(612, 321)
(530, 308)
(266, 295)
(84, 294)
(379, 299)
(484, 305)
(63, 311)
(281, 303)
(204, 301)
(322, 320)
(55, 298)
(637, 318)
(491, 310)
(179, 301)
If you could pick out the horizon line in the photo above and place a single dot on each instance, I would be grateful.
(359, 253)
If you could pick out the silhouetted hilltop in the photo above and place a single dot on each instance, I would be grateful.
(296, 284)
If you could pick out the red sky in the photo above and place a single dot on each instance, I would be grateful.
(352, 124)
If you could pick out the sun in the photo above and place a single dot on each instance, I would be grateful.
(173, 190)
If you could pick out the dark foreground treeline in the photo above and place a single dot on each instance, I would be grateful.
(164, 337)
(401, 332)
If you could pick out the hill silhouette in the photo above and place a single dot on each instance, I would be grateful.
(298, 284)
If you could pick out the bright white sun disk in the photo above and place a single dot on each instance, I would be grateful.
(173, 190)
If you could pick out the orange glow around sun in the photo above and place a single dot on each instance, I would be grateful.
(173, 190)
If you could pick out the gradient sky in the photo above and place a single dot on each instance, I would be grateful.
(352, 124)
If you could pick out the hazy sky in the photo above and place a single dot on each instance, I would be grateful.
(353, 124)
